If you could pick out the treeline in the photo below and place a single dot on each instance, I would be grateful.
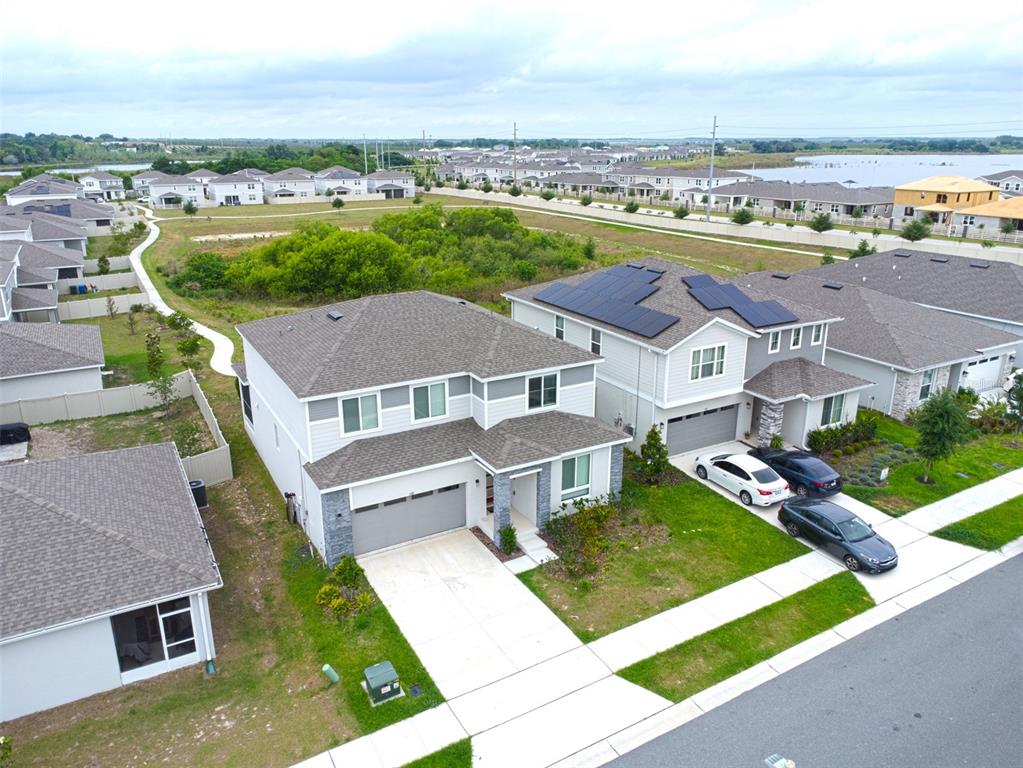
(50, 148)
(277, 157)
(999, 143)
(536, 143)
(468, 252)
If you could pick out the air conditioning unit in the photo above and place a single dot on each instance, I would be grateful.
(631, 429)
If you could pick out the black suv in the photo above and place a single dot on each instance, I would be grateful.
(807, 475)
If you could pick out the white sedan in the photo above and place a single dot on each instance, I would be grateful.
(750, 478)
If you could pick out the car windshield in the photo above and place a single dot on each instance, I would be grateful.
(855, 529)
(765, 475)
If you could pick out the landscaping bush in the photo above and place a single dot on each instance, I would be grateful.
(547, 194)
(508, 538)
(586, 200)
(631, 207)
(827, 439)
(821, 223)
(581, 539)
(742, 216)
(777, 442)
(487, 187)
(462, 184)
(655, 455)
(347, 573)
(915, 230)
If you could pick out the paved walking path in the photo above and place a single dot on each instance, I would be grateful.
(223, 347)
(961, 505)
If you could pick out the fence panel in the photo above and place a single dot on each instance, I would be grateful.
(102, 282)
(211, 467)
(83, 309)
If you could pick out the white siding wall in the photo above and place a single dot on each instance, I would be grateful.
(796, 423)
(467, 472)
(614, 402)
(50, 384)
(577, 399)
(57, 667)
(312, 520)
(680, 389)
(600, 466)
(506, 408)
(273, 389)
(879, 396)
(478, 410)
(627, 362)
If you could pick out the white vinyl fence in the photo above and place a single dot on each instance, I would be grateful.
(212, 467)
(116, 262)
(102, 282)
(83, 309)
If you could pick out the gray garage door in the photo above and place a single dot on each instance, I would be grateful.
(687, 433)
(400, 520)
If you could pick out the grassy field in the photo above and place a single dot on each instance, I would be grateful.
(698, 542)
(99, 245)
(281, 209)
(458, 755)
(699, 663)
(97, 294)
(735, 160)
(991, 529)
(126, 353)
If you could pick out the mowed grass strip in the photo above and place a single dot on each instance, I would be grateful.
(458, 755)
(697, 664)
(710, 542)
(991, 529)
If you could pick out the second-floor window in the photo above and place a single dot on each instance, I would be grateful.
(707, 363)
(360, 414)
(774, 341)
(543, 391)
(595, 341)
(942, 198)
(797, 338)
(818, 334)
(559, 326)
(429, 402)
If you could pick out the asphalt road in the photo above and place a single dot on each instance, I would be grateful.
(940, 686)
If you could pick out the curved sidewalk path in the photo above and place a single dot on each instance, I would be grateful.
(223, 347)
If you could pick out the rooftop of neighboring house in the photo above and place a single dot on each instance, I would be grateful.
(685, 173)
(252, 173)
(673, 297)
(32, 299)
(44, 226)
(576, 177)
(44, 184)
(165, 180)
(89, 535)
(390, 174)
(150, 174)
(881, 327)
(31, 348)
(202, 173)
(1009, 208)
(86, 210)
(102, 176)
(825, 192)
(1001, 175)
(40, 255)
(337, 172)
(234, 178)
(399, 337)
(946, 184)
(981, 287)
(290, 174)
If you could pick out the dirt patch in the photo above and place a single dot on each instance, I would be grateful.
(495, 550)
(897, 505)
(239, 236)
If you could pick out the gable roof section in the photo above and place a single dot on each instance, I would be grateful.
(391, 338)
(798, 377)
(40, 255)
(290, 174)
(950, 282)
(91, 534)
(30, 299)
(830, 192)
(31, 348)
(85, 210)
(947, 184)
(44, 226)
(234, 178)
(201, 173)
(45, 184)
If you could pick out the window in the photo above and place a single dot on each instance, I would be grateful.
(595, 339)
(968, 221)
(359, 414)
(818, 207)
(942, 198)
(246, 402)
(575, 477)
(153, 634)
(774, 342)
(832, 413)
(797, 338)
(543, 391)
(908, 211)
(559, 327)
(707, 363)
(926, 383)
(836, 208)
(429, 402)
(818, 334)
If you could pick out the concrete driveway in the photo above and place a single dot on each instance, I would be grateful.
(470, 620)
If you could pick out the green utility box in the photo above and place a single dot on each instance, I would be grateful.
(382, 683)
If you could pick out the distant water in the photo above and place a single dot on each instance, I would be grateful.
(106, 167)
(888, 170)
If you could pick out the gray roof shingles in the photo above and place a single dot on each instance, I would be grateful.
(399, 337)
(30, 348)
(798, 377)
(40, 255)
(29, 299)
(91, 534)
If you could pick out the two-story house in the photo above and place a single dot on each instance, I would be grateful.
(44, 187)
(235, 189)
(390, 418)
(175, 191)
(291, 184)
(705, 362)
(338, 180)
(391, 184)
(937, 197)
(100, 185)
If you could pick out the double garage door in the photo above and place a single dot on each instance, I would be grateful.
(400, 520)
(696, 430)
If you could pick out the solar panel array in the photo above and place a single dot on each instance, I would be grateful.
(613, 297)
(759, 314)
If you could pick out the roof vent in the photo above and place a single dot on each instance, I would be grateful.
(782, 275)
(833, 286)
(902, 255)
(334, 315)
(980, 266)
(939, 259)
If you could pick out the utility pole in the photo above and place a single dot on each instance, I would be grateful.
(365, 156)
(710, 182)
(515, 154)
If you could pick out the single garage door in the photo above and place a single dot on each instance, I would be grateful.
(982, 374)
(687, 433)
(400, 520)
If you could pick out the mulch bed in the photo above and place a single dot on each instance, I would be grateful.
(495, 550)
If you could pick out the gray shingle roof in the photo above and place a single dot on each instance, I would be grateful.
(799, 377)
(882, 327)
(28, 348)
(29, 299)
(387, 174)
(102, 176)
(91, 534)
(85, 210)
(1002, 175)
(290, 174)
(950, 283)
(685, 173)
(44, 184)
(400, 337)
(234, 178)
(338, 172)
(201, 173)
(512, 443)
(45, 226)
(40, 255)
(673, 297)
(30, 276)
(828, 192)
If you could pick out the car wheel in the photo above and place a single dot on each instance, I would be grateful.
(701, 472)
(852, 563)
(802, 490)
(745, 498)
(793, 529)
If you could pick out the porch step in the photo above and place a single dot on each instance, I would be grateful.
(536, 548)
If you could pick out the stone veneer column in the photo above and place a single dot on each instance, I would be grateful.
(543, 496)
(337, 525)
(617, 460)
(771, 417)
(502, 502)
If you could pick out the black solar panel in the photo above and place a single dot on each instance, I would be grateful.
(758, 314)
(699, 281)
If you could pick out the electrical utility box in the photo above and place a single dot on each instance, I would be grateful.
(382, 682)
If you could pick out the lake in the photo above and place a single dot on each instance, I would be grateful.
(888, 170)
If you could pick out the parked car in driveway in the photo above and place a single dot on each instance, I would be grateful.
(806, 474)
(750, 478)
(839, 532)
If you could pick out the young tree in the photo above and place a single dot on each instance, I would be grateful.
(103, 262)
(827, 258)
(943, 425)
(337, 204)
(111, 307)
(1007, 227)
(547, 194)
(188, 348)
(462, 184)
(863, 249)
(132, 320)
(190, 208)
(515, 190)
(821, 222)
(1014, 399)
(680, 212)
(487, 186)
(915, 230)
(590, 249)
(585, 200)
(654, 454)
(742, 215)
(154, 356)
(631, 207)
(857, 212)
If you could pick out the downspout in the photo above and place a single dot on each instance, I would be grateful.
(639, 368)
(203, 604)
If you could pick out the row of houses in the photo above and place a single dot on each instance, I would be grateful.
(97, 186)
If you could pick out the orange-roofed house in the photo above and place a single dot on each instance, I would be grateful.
(992, 216)
(939, 197)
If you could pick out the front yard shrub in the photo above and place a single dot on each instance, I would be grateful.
(821, 223)
(828, 439)
(508, 539)
(582, 538)
(742, 216)
(347, 573)
(680, 212)
(346, 592)
(943, 425)
(586, 200)
(655, 455)
(547, 194)
(777, 441)
(915, 230)
(631, 207)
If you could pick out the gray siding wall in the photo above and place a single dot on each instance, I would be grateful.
(580, 375)
(879, 396)
(458, 385)
(393, 397)
(50, 384)
(758, 358)
(506, 388)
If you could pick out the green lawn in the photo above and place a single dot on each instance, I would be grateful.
(99, 294)
(699, 663)
(126, 353)
(977, 460)
(991, 529)
(699, 542)
(458, 755)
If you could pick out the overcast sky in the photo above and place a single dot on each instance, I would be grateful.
(464, 69)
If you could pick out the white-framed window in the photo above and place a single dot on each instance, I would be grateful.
(908, 210)
(360, 414)
(559, 326)
(836, 208)
(595, 341)
(774, 342)
(818, 334)
(542, 391)
(707, 362)
(797, 338)
(575, 477)
(926, 384)
(818, 207)
(969, 220)
(246, 403)
(832, 412)
(429, 401)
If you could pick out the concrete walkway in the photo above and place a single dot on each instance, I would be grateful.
(223, 347)
(969, 502)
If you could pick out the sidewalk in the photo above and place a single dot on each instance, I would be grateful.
(966, 503)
